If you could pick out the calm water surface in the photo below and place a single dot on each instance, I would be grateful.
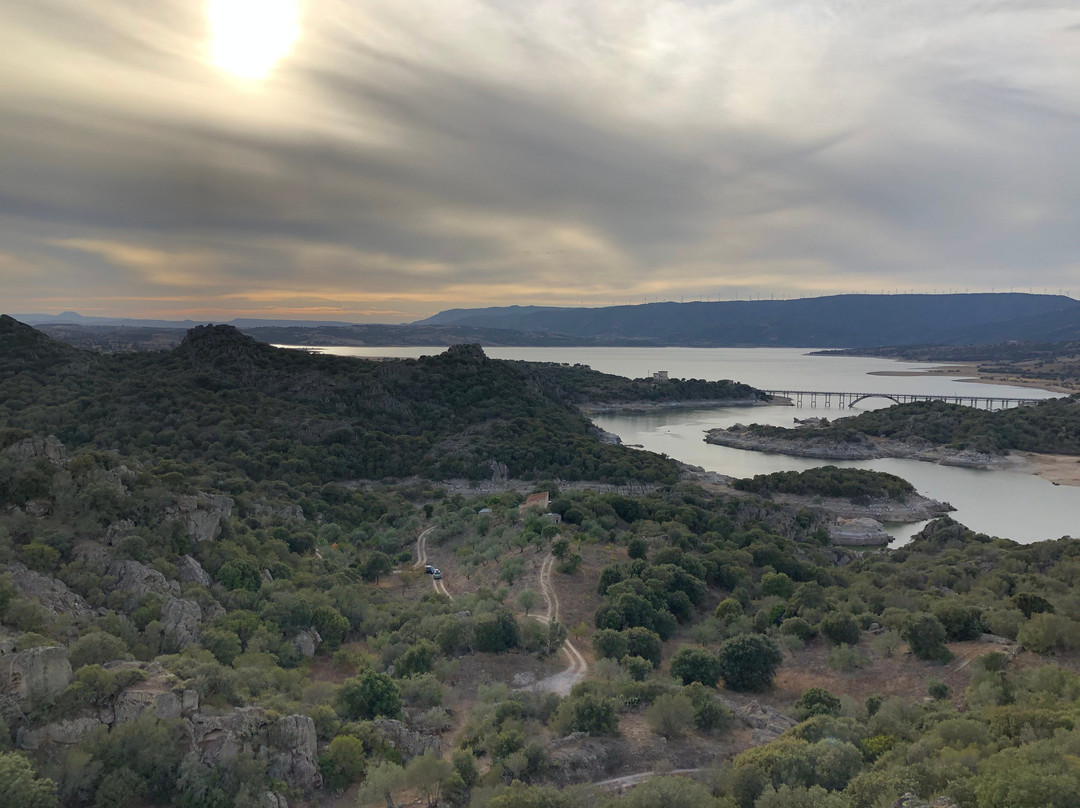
(1011, 504)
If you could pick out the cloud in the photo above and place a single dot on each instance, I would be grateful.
(407, 157)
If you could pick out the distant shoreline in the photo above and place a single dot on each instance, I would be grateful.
(975, 376)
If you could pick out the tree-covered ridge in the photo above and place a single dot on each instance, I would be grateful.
(1050, 427)
(26, 348)
(829, 481)
(222, 399)
(582, 385)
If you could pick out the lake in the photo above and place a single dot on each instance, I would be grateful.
(1010, 504)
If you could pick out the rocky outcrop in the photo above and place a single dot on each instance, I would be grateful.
(407, 742)
(862, 532)
(118, 530)
(914, 508)
(579, 758)
(48, 449)
(140, 580)
(201, 514)
(297, 763)
(605, 437)
(294, 512)
(219, 738)
(188, 570)
(911, 800)
(499, 472)
(180, 622)
(271, 799)
(289, 743)
(158, 694)
(35, 674)
(67, 732)
(767, 723)
(49, 592)
(307, 643)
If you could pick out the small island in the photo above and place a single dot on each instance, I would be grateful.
(932, 431)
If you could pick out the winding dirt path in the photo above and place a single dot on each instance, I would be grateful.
(422, 560)
(421, 548)
(563, 681)
(619, 783)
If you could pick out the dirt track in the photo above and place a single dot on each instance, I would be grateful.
(422, 558)
(563, 681)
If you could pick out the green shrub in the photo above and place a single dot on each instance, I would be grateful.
(610, 644)
(589, 713)
(344, 762)
(1032, 604)
(816, 701)
(797, 627)
(1048, 633)
(20, 786)
(925, 637)
(642, 642)
(937, 689)
(844, 658)
(97, 648)
(777, 584)
(671, 715)
(695, 665)
(636, 667)
(728, 610)
(369, 695)
(840, 628)
(748, 662)
(960, 622)
(40, 557)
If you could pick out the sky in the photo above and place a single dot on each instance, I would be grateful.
(380, 160)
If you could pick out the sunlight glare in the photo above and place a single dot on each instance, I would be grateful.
(249, 37)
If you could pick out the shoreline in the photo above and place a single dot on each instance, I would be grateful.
(592, 408)
(871, 449)
(1056, 469)
(973, 375)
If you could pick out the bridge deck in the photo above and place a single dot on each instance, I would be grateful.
(850, 399)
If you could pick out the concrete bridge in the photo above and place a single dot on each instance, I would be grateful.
(827, 397)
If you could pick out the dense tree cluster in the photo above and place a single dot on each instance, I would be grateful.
(856, 485)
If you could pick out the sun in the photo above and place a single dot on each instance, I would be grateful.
(249, 37)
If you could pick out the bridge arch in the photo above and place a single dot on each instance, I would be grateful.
(857, 399)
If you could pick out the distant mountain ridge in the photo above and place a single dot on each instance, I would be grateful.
(74, 318)
(833, 321)
(838, 321)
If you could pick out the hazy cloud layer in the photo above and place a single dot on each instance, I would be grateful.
(407, 157)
